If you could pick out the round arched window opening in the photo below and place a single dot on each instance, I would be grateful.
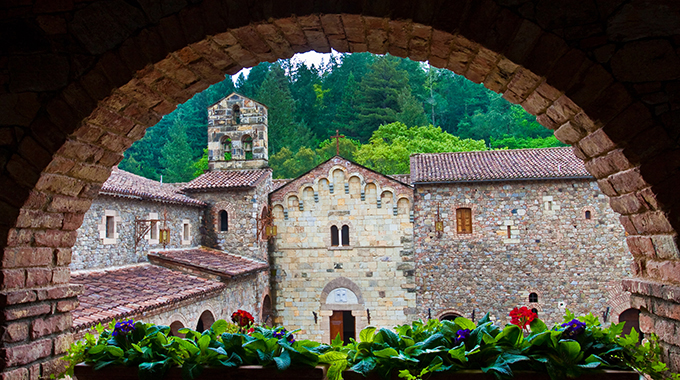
(247, 143)
(225, 142)
(223, 221)
(205, 321)
(175, 327)
(449, 317)
(236, 114)
(335, 239)
(533, 297)
(588, 215)
(345, 235)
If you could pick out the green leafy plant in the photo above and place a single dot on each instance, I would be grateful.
(413, 351)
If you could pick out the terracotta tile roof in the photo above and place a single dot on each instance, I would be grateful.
(208, 260)
(130, 291)
(276, 183)
(125, 184)
(403, 178)
(497, 165)
(223, 179)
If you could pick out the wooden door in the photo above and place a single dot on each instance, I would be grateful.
(336, 325)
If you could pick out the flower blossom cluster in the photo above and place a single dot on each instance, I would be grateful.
(573, 328)
(123, 327)
(242, 318)
(461, 335)
(281, 333)
(522, 317)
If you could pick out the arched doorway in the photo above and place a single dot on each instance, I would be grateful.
(343, 305)
(267, 314)
(175, 327)
(449, 316)
(631, 320)
(205, 321)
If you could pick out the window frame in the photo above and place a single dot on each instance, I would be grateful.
(335, 236)
(222, 225)
(464, 227)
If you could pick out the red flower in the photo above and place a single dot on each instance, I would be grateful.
(242, 318)
(522, 317)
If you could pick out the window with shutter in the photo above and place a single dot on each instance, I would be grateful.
(464, 220)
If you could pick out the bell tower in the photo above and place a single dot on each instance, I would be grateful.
(237, 134)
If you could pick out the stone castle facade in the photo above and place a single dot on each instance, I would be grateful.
(343, 247)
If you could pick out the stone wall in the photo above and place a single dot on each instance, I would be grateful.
(375, 269)
(245, 293)
(90, 250)
(554, 251)
(243, 206)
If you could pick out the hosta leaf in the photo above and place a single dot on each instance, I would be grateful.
(465, 323)
(386, 353)
(364, 366)
(282, 361)
(203, 343)
(219, 327)
(114, 351)
(367, 334)
(537, 326)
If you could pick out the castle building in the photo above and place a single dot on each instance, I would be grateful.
(343, 247)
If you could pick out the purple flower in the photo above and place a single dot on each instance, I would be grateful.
(573, 328)
(124, 327)
(461, 335)
(291, 339)
(280, 333)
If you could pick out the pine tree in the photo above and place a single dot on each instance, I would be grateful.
(283, 130)
(176, 155)
(378, 97)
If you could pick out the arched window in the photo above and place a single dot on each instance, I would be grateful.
(175, 327)
(464, 220)
(205, 321)
(226, 147)
(224, 221)
(588, 214)
(236, 114)
(247, 143)
(449, 317)
(335, 241)
(345, 235)
(533, 297)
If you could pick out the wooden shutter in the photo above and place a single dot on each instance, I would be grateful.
(464, 220)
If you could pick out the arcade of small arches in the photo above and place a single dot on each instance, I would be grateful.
(607, 90)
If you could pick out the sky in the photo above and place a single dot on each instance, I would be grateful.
(309, 58)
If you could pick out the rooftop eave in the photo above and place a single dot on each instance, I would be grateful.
(502, 180)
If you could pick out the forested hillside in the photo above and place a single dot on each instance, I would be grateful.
(420, 109)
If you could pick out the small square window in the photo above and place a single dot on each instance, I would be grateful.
(110, 227)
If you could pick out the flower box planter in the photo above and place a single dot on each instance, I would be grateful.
(251, 372)
(86, 372)
(519, 375)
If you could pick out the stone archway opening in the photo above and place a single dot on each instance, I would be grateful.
(70, 122)
(205, 321)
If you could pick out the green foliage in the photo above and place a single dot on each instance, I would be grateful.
(175, 153)
(201, 166)
(413, 351)
(354, 93)
(392, 144)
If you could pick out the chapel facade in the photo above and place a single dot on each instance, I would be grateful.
(343, 247)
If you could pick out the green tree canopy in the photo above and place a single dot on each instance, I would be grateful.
(392, 144)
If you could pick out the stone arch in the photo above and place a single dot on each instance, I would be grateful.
(175, 326)
(326, 309)
(404, 206)
(608, 92)
(205, 320)
(449, 313)
(267, 311)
